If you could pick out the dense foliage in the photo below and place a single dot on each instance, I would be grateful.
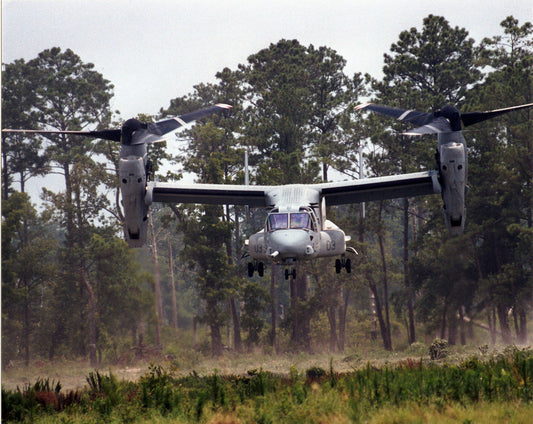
(316, 395)
(71, 287)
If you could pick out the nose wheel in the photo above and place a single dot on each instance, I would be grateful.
(256, 266)
(343, 263)
(290, 273)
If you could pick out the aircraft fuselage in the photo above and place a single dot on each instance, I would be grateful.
(294, 235)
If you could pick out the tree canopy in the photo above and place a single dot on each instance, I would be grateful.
(71, 286)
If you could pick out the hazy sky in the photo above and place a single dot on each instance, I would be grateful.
(156, 50)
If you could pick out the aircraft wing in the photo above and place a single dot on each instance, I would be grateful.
(213, 194)
(338, 193)
(380, 188)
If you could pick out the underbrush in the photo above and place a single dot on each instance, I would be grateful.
(476, 389)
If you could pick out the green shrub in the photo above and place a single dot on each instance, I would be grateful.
(104, 391)
(315, 373)
(157, 390)
(439, 349)
(417, 348)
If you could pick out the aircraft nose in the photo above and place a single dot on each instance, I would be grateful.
(290, 242)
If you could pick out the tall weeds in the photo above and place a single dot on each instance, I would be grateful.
(314, 396)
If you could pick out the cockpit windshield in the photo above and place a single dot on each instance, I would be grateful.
(280, 221)
(300, 220)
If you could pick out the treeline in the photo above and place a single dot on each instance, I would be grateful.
(72, 287)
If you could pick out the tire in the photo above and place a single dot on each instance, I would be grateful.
(250, 269)
(338, 266)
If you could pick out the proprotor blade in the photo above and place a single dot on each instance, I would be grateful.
(113, 135)
(168, 125)
(405, 115)
(470, 118)
(436, 126)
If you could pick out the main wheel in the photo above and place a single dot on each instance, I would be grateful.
(261, 269)
(250, 269)
(348, 266)
(286, 274)
(338, 266)
(294, 274)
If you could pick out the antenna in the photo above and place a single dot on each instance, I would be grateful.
(246, 170)
(247, 180)
(361, 176)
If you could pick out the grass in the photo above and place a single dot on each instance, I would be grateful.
(73, 373)
(475, 388)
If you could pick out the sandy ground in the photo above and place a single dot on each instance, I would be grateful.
(73, 374)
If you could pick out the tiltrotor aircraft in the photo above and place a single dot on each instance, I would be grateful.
(451, 156)
(134, 165)
(296, 226)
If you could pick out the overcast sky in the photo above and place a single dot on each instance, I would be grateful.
(156, 50)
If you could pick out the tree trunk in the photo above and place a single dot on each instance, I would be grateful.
(300, 325)
(157, 284)
(388, 344)
(275, 301)
(216, 338)
(26, 330)
(462, 327)
(504, 323)
(407, 284)
(522, 335)
(294, 312)
(381, 321)
(172, 287)
(444, 322)
(5, 173)
(332, 318)
(195, 331)
(92, 318)
(342, 319)
(452, 328)
(371, 295)
(237, 341)
(492, 324)
(303, 284)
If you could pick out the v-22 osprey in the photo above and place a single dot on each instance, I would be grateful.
(296, 226)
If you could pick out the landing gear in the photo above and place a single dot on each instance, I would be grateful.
(291, 273)
(343, 263)
(256, 266)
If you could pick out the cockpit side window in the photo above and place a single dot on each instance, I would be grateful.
(278, 221)
(300, 220)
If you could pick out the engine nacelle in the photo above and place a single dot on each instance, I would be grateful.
(453, 169)
(257, 246)
(332, 242)
(133, 189)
